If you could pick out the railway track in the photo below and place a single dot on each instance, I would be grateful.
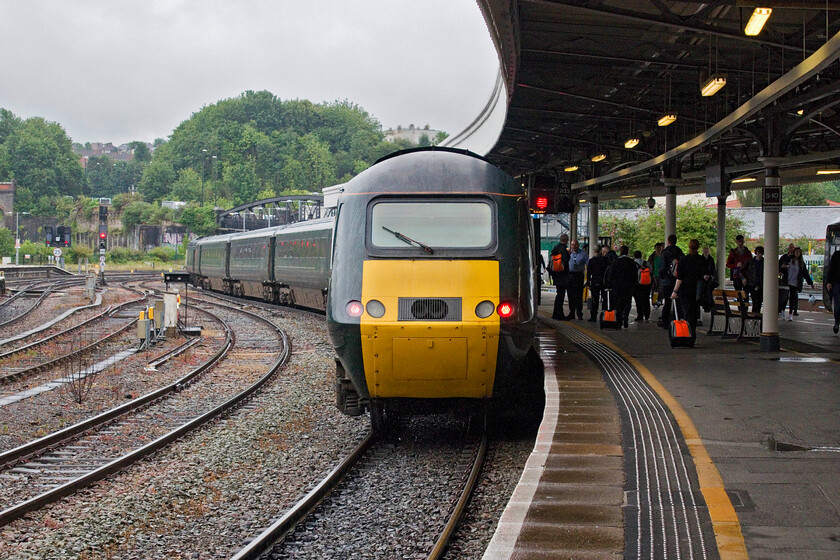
(62, 463)
(399, 496)
(85, 337)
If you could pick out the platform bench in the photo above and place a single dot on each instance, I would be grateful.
(751, 323)
(726, 309)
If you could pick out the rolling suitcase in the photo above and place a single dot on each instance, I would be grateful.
(608, 318)
(680, 333)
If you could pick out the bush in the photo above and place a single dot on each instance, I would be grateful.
(162, 254)
(78, 253)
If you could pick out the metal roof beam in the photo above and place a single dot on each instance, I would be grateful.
(825, 56)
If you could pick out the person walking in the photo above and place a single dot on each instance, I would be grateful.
(561, 279)
(595, 280)
(738, 257)
(577, 270)
(623, 282)
(668, 279)
(797, 275)
(784, 292)
(690, 272)
(832, 284)
(753, 274)
(641, 293)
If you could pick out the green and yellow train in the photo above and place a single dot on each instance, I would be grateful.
(426, 273)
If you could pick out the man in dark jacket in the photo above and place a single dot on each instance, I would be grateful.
(832, 284)
(624, 281)
(561, 279)
(689, 273)
(595, 279)
(667, 280)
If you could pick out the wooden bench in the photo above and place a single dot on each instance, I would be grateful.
(731, 317)
(751, 323)
(725, 310)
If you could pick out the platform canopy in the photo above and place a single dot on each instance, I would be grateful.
(586, 78)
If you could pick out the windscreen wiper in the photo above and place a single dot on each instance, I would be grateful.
(409, 241)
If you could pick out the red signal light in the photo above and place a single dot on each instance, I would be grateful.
(102, 235)
(355, 308)
(506, 310)
(542, 202)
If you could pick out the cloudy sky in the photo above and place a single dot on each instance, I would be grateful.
(133, 70)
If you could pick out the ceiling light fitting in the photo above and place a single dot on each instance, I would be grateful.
(631, 143)
(713, 85)
(744, 180)
(599, 157)
(828, 171)
(571, 168)
(757, 20)
(665, 120)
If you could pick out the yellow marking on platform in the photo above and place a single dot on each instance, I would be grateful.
(727, 528)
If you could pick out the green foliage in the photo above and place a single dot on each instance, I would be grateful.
(7, 239)
(162, 254)
(188, 187)
(806, 194)
(39, 156)
(78, 253)
(201, 220)
(122, 200)
(137, 213)
(157, 180)
(694, 221)
(622, 203)
(142, 153)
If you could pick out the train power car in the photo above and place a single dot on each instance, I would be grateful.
(288, 264)
(433, 287)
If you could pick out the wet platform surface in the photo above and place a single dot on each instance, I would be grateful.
(759, 433)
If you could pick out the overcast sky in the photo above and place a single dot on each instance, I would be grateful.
(120, 70)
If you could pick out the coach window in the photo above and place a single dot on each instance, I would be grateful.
(441, 225)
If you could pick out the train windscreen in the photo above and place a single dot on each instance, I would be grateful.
(437, 224)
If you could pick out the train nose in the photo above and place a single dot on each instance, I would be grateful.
(425, 332)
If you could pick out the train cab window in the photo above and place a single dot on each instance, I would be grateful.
(431, 226)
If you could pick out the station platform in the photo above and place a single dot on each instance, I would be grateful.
(720, 451)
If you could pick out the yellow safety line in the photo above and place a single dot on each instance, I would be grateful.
(727, 528)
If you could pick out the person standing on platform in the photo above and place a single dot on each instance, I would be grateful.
(595, 279)
(708, 282)
(832, 284)
(623, 282)
(655, 263)
(690, 271)
(753, 274)
(797, 275)
(738, 257)
(641, 294)
(577, 270)
(667, 279)
(561, 279)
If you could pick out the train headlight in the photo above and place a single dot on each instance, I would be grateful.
(506, 310)
(484, 309)
(354, 308)
(375, 308)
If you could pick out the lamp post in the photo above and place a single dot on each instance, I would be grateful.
(203, 168)
(17, 236)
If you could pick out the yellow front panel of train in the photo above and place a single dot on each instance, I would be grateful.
(405, 357)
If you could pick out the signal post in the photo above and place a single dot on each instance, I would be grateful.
(103, 240)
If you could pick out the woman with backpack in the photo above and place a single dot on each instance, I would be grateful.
(641, 293)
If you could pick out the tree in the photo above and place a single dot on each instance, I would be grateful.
(242, 181)
(806, 194)
(142, 153)
(188, 186)
(200, 220)
(157, 180)
(137, 213)
(39, 156)
(7, 243)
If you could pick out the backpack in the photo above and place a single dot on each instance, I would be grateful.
(644, 275)
(672, 268)
(557, 263)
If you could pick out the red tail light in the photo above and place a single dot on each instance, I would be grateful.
(506, 310)
(354, 308)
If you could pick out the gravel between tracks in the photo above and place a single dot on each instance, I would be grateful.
(205, 495)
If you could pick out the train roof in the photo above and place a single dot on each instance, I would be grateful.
(306, 225)
(433, 170)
